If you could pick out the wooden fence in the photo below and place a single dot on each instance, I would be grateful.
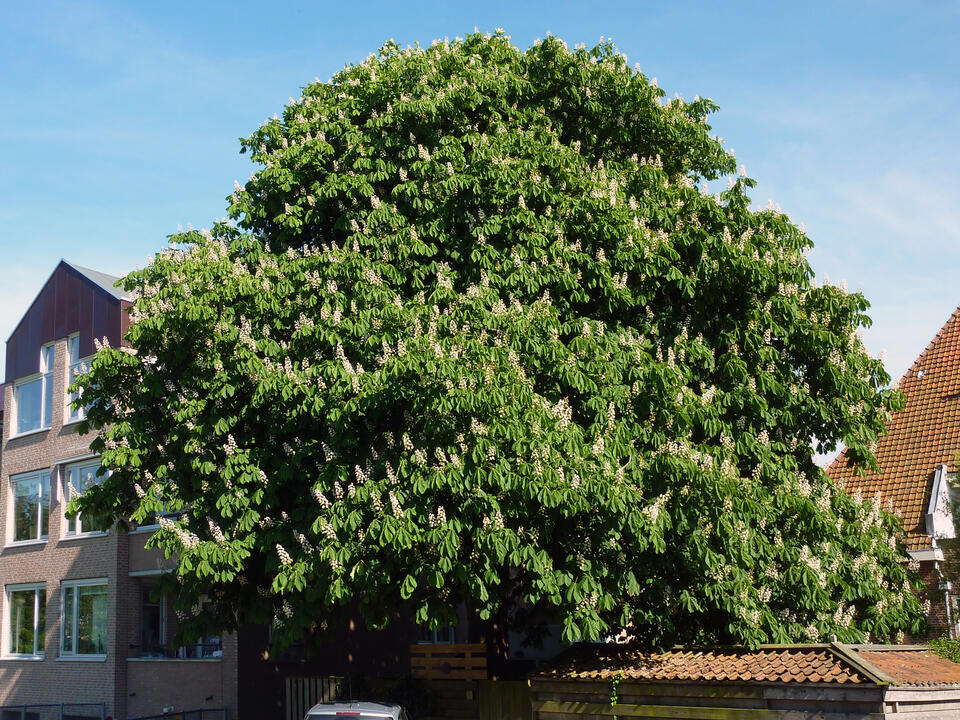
(466, 661)
(589, 699)
(302, 693)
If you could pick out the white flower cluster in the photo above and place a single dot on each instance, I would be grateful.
(284, 556)
(215, 532)
(321, 498)
(843, 616)
(496, 522)
(304, 543)
(186, 538)
(438, 519)
(395, 507)
(652, 512)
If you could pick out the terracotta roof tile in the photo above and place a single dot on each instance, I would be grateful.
(914, 667)
(810, 664)
(920, 438)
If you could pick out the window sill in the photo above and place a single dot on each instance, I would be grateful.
(28, 433)
(82, 658)
(175, 660)
(26, 543)
(83, 536)
(70, 423)
(23, 658)
(144, 529)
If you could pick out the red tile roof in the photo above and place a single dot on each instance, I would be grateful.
(812, 664)
(895, 666)
(913, 667)
(920, 438)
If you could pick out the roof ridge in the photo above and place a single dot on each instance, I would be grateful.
(839, 461)
(858, 663)
(954, 317)
(105, 281)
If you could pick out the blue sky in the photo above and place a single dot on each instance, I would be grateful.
(120, 121)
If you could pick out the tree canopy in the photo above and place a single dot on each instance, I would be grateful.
(478, 330)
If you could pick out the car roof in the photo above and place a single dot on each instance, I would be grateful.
(366, 708)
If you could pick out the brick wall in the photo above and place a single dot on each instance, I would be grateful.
(935, 602)
(53, 679)
(184, 684)
(127, 684)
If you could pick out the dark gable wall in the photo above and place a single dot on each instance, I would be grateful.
(68, 303)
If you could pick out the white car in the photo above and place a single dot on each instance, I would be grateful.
(355, 711)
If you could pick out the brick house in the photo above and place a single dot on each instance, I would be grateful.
(918, 461)
(78, 620)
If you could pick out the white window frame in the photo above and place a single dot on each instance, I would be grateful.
(65, 469)
(74, 364)
(45, 378)
(74, 618)
(39, 596)
(42, 536)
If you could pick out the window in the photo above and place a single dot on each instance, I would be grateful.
(26, 616)
(207, 647)
(33, 396)
(443, 635)
(153, 623)
(76, 366)
(83, 626)
(77, 478)
(31, 505)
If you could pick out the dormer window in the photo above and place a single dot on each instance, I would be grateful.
(33, 396)
(940, 524)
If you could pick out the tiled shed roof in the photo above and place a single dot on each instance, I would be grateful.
(920, 438)
(812, 664)
(914, 668)
(868, 665)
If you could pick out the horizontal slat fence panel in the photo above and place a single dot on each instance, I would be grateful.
(553, 710)
(466, 661)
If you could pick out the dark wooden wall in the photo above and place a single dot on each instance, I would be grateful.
(67, 304)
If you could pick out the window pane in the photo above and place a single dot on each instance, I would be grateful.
(151, 625)
(47, 400)
(22, 621)
(44, 505)
(69, 601)
(46, 359)
(41, 619)
(73, 349)
(26, 509)
(78, 480)
(70, 491)
(92, 620)
(76, 369)
(29, 397)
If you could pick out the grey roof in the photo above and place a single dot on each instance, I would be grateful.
(107, 282)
